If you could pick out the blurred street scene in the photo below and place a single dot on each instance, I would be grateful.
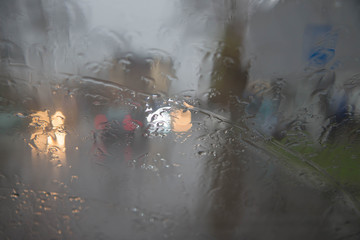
(235, 119)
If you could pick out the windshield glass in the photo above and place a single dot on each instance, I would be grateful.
(179, 119)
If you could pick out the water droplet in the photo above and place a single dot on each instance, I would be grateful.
(75, 211)
(148, 80)
(134, 209)
(74, 178)
(45, 208)
(14, 195)
(202, 153)
(20, 115)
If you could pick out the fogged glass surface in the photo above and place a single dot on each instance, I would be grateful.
(179, 119)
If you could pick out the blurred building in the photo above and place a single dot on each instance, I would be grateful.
(151, 74)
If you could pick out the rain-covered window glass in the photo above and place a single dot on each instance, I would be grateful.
(183, 119)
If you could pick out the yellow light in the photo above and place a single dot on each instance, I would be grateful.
(40, 121)
(181, 120)
(45, 140)
(57, 121)
(40, 118)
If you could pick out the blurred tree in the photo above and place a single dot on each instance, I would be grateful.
(228, 81)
